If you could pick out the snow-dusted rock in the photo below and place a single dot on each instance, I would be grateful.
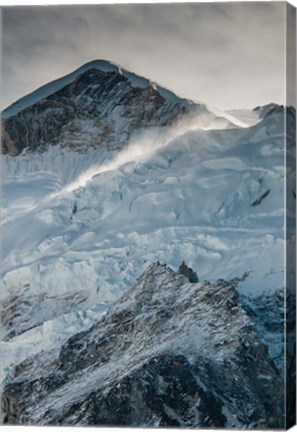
(167, 353)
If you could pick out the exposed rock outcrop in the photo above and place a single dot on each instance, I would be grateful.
(188, 272)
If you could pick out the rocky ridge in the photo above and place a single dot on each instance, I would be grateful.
(167, 353)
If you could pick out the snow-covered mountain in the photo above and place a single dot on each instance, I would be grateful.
(105, 173)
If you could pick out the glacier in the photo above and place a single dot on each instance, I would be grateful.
(85, 226)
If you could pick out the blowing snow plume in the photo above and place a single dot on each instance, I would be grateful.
(145, 144)
(139, 149)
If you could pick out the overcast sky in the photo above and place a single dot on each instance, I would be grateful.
(230, 55)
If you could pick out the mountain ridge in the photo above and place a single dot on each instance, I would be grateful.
(183, 351)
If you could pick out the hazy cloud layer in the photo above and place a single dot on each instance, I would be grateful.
(226, 54)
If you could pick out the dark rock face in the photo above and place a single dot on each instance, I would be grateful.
(275, 317)
(168, 353)
(97, 107)
(136, 402)
(188, 272)
(267, 312)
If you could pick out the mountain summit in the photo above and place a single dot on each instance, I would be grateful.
(99, 104)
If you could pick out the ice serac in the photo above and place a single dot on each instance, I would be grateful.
(98, 105)
(167, 353)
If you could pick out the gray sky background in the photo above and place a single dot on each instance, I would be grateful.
(230, 55)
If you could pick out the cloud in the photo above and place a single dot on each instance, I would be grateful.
(226, 54)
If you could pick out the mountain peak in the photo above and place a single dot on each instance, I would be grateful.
(102, 65)
(97, 104)
(56, 85)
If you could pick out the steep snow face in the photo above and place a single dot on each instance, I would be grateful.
(168, 353)
(78, 229)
